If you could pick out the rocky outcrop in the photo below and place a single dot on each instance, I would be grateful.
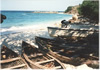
(74, 19)
(2, 18)
(73, 10)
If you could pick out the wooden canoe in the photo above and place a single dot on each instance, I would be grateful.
(11, 60)
(71, 54)
(55, 32)
(38, 59)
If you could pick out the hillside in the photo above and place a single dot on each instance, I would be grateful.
(72, 10)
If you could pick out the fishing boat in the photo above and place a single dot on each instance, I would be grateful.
(11, 60)
(55, 32)
(82, 26)
(38, 59)
(71, 54)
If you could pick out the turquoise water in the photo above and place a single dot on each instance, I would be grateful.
(24, 18)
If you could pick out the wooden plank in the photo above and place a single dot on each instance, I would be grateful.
(45, 61)
(57, 67)
(16, 66)
(35, 55)
(10, 60)
(95, 57)
(33, 63)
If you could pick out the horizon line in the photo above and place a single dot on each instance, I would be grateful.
(28, 10)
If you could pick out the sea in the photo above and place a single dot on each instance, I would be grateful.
(25, 25)
(28, 18)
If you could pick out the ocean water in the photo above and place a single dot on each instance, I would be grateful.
(27, 18)
(25, 25)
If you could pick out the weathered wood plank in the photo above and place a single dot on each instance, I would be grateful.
(10, 60)
(16, 66)
(45, 61)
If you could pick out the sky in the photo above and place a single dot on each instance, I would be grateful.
(38, 5)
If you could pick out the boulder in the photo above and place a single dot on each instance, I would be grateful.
(71, 21)
(2, 18)
(75, 17)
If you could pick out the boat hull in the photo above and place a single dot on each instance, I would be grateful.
(11, 60)
(38, 59)
(74, 54)
(55, 32)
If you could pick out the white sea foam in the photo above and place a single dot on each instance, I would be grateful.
(14, 36)
(29, 27)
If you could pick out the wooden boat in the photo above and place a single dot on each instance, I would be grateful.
(38, 59)
(71, 54)
(55, 32)
(11, 60)
(82, 26)
(65, 24)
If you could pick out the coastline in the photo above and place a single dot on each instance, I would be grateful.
(28, 33)
(14, 36)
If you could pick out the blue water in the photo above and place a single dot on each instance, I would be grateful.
(24, 18)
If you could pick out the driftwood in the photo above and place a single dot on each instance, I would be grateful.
(75, 55)
(39, 60)
(11, 60)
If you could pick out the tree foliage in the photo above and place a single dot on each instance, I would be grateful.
(90, 9)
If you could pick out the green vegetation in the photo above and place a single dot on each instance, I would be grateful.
(68, 9)
(90, 9)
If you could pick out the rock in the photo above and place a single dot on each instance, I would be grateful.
(73, 10)
(2, 18)
(71, 21)
(75, 17)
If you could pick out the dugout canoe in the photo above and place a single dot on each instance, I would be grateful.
(71, 54)
(11, 60)
(38, 59)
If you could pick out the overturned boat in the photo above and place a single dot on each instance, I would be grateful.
(55, 32)
(11, 60)
(38, 59)
(69, 53)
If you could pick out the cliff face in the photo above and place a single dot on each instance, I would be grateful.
(73, 10)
